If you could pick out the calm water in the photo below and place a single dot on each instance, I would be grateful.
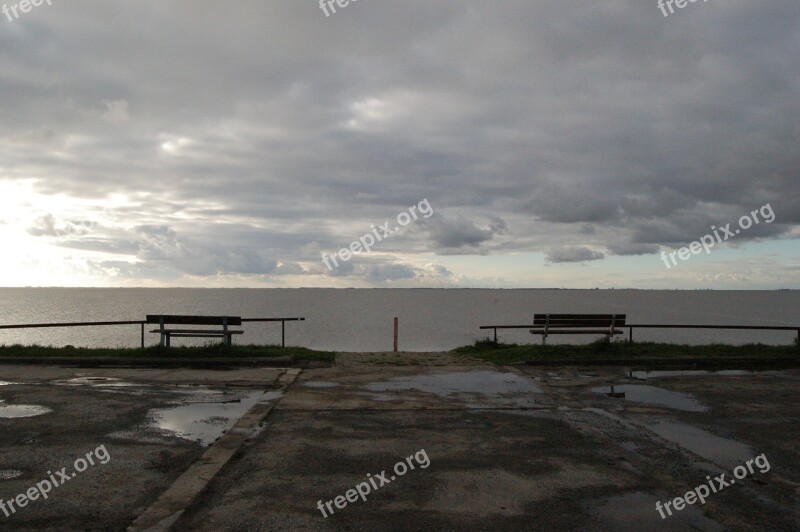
(361, 319)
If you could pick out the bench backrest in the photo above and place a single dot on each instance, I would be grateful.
(579, 320)
(194, 320)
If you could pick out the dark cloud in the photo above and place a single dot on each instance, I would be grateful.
(573, 254)
(628, 248)
(247, 139)
(454, 234)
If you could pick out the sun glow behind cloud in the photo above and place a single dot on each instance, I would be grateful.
(30, 224)
(558, 147)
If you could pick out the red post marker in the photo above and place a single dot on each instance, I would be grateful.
(395, 335)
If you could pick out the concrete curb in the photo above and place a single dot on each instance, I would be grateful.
(166, 511)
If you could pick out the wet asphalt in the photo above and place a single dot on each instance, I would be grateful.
(512, 448)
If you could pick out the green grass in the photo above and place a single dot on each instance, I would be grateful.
(210, 351)
(499, 353)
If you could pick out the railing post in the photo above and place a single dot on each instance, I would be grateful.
(283, 333)
(142, 324)
(495, 335)
(630, 334)
(395, 335)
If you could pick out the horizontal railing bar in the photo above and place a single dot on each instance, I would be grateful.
(142, 323)
(671, 326)
(273, 319)
(578, 316)
(78, 324)
(508, 326)
(744, 327)
(105, 323)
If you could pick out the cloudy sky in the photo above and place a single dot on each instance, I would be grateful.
(559, 143)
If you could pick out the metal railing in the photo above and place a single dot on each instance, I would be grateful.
(141, 323)
(663, 326)
(283, 325)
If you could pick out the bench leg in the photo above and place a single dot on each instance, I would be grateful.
(167, 339)
(228, 340)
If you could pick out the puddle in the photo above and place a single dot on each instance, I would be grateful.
(652, 395)
(321, 384)
(8, 474)
(14, 411)
(383, 397)
(4, 383)
(444, 384)
(96, 381)
(205, 420)
(722, 451)
(493, 389)
(637, 511)
(690, 373)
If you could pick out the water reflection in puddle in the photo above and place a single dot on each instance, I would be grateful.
(4, 383)
(480, 382)
(321, 384)
(722, 451)
(110, 382)
(8, 474)
(491, 389)
(690, 373)
(653, 395)
(382, 397)
(636, 511)
(15, 411)
(205, 420)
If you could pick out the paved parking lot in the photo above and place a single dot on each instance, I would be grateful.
(152, 423)
(515, 448)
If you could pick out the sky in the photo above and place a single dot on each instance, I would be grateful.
(559, 143)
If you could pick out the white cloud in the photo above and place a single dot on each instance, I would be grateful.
(535, 129)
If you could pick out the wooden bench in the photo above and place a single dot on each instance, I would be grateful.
(547, 324)
(223, 321)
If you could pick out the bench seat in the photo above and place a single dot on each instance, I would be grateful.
(221, 321)
(574, 331)
(605, 324)
(175, 332)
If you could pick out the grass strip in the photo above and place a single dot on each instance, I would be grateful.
(500, 353)
(209, 351)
